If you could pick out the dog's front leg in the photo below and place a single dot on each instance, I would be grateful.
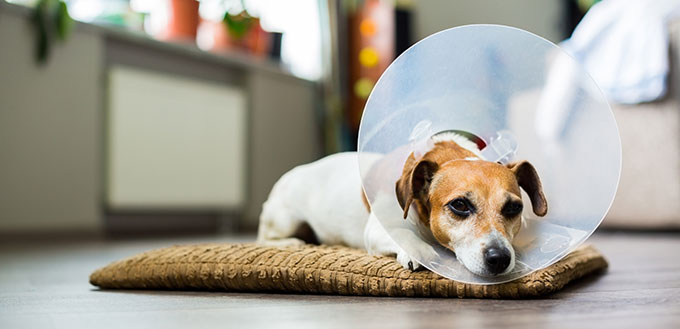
(378, 242)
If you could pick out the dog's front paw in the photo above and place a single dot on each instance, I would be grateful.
(408, 262)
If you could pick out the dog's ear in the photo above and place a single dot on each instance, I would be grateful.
(528, 179)
(414, 182)
(403, 186)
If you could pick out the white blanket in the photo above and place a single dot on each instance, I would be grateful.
(623, 44)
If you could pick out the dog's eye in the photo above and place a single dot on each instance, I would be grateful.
(461, 207)
(512, 209)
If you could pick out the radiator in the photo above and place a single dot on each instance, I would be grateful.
(173, 142)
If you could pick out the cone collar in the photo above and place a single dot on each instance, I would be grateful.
(526, 99)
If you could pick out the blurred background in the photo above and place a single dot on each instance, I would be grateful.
(156, 117)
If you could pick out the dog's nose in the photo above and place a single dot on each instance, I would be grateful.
(496, 259)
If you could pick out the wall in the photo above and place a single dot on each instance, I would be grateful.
(542, 17)
(52, 135)
(284, 134)
(50, 131)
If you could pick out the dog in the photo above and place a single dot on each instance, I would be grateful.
(471, 206)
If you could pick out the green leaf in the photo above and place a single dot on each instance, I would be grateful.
(50, 19)
(42, 33)
(238, 25)
(64, 21)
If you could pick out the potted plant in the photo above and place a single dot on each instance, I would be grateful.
(52, 23)
(245, 32)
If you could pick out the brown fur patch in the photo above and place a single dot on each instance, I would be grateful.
(365, 201)
(440, 233)
(528, 179)
(441, 153)
(445, 151)
(487, 185)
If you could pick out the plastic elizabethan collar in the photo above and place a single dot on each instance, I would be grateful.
(527, 100)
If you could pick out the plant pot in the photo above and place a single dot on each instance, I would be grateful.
(182, 22)
(255, 41)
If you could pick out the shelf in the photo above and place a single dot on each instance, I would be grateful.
(226, 58)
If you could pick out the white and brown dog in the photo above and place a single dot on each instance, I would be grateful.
(472, 207)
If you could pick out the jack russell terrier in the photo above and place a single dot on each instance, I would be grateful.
(471, 206)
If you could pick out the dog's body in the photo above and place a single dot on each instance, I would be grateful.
(318, 194)
(327, 195)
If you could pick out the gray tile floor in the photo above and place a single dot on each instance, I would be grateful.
(45, 285)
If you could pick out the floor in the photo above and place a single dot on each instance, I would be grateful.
(44, 285)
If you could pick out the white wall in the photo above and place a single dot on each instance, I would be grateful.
(284, 134)
(50, 128)
(542, 17)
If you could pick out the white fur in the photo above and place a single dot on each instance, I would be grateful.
(470, 251)
(327, 195)
(458, 139)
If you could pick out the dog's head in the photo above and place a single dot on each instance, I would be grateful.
(472, 207)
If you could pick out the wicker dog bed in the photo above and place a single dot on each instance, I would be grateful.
(319, 270)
